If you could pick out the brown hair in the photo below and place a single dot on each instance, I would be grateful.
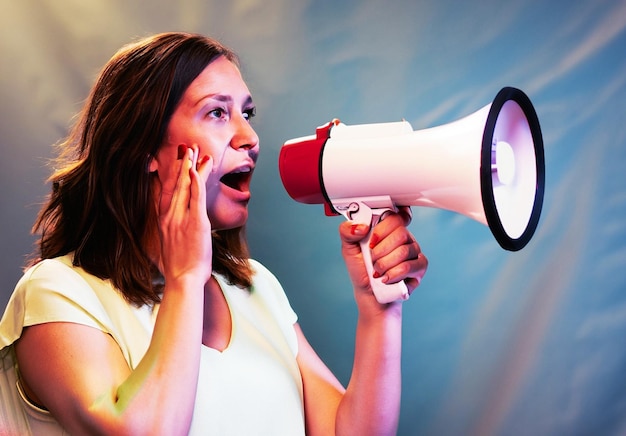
(102, 206)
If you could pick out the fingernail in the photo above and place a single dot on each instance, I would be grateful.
(374, 240)
(376, 274)
(182, 149)
(357, 229)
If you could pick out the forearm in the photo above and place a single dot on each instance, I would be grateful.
(164, 383)
(371, 404)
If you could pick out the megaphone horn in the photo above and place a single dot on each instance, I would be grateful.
(488, 166)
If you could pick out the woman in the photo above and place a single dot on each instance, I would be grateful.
(143, 313)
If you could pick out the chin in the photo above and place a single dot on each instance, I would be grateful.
(230, 221)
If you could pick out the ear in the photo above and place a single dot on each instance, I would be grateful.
(153, 164)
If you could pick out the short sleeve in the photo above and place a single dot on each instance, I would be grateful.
(49, 291)
(56, 291)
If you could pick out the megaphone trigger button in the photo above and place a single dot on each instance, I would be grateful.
(351, 210)
(385, 214)
(407, 214)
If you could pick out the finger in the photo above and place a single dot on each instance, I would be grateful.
(181, 194)
(399, 254)
(382, 244)
(411, 271)
(387, 225)
(197, 198)
(205, 167)
(199, 178)
(352, 232)
(397, 247)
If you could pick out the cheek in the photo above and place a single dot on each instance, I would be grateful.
(166, 180)
(164, 183)
(212, 197)
(167, 165)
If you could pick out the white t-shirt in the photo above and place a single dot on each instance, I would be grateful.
(254, 386)
(255, 379)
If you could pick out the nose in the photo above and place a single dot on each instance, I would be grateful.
(245, 137)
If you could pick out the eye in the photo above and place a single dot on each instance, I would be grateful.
(249, 113)
(217, 113)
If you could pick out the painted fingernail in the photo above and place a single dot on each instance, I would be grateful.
(204, 160)
(374, 240)
(358, 229)
(376, 274)
(182, 149)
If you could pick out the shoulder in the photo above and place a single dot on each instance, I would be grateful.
(264, 280)
(54, 278)
(266, 286)
(261, 272)
(50, 270)
(50, 291)
(37, 297)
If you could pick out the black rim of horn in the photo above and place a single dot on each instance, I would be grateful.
(486, 182)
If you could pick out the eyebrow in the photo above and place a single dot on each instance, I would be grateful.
(223, 98)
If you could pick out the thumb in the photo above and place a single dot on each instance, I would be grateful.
(352, 233)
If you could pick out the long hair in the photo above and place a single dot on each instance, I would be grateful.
(102, 206)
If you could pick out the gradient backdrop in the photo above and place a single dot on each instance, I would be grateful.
(532, 342)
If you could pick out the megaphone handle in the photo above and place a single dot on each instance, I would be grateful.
(384, 292)
(357, 211)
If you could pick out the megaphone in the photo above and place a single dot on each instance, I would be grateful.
(488, 166)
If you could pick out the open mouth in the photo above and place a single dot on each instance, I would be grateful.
(238, 180)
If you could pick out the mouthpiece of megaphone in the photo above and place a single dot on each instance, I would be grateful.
(488, 166)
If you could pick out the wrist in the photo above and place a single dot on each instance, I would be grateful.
(184, 283)
(374, 312)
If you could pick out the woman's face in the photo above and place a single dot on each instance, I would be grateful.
(213, 118)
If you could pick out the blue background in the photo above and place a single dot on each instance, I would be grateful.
(532, 342)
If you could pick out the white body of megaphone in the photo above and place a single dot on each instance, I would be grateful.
(488, 166)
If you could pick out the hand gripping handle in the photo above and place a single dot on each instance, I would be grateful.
(359, 212)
